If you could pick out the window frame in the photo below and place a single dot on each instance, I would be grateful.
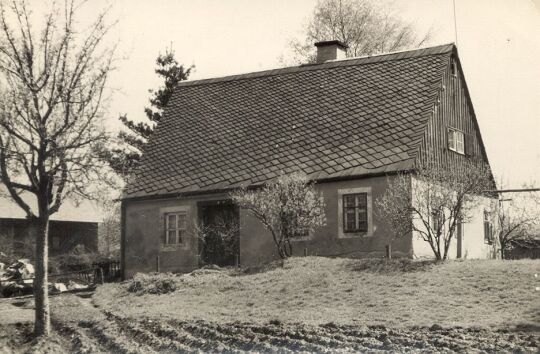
(186, 236)
(341, 217)
(178, 231)
(435, 220)
(360, 203)
(455, 144)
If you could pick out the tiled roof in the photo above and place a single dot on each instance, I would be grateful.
(342, 118)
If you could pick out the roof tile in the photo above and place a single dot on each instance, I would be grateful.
(349, 117)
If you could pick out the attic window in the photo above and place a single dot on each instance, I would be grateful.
(453, 68)
(456, 141)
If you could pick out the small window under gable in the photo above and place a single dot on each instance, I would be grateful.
(456, 140)
(453, 68)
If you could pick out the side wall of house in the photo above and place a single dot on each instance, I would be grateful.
(473, 245)
(454, 110)
(256, 244)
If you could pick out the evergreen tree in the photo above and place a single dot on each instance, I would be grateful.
(126, 157)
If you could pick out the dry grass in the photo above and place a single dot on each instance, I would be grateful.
(316, 290)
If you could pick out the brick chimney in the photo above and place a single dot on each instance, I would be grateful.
(330, 50)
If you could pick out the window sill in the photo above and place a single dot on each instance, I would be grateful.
(457, 152)
(362, 234)
(172, 247)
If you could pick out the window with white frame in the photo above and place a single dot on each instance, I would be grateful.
(175, 227)
(456, 140)
(355, 212)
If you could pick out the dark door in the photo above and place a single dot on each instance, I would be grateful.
(219, 233)
(459, 239)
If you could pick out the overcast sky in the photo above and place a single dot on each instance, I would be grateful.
(498, 44)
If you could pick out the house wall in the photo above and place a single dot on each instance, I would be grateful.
(256, 244)
(473, 246)
(144, 245)
(144, 230)
(453, 110)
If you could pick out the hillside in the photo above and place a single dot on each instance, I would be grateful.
(316, 290)
(301, 305)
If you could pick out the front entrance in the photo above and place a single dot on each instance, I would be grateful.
(219, 233)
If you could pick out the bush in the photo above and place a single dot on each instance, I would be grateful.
(152, 284)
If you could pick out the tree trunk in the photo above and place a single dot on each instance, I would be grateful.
(42, 325)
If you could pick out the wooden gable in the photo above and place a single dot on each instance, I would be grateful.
(452, 110)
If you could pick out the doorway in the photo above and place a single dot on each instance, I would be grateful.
(219, 233)
(459, 239)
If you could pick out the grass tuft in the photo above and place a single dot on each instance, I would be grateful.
(156, 284)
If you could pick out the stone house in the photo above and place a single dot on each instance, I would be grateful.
(348, 124)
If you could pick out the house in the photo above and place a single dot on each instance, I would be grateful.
(70, 226)
(349, 124)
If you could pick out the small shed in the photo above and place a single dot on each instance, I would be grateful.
(524, 248)
(74, 224)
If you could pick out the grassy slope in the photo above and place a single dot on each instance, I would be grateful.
(316, 290)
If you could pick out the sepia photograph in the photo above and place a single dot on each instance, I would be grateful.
(269, 176)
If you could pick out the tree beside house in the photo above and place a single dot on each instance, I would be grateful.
(53, 85)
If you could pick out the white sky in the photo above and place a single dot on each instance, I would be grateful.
(498, 44)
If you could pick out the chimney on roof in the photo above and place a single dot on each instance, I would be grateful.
(330, 50)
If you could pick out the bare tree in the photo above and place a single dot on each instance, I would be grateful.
(52, 88)
(365, 26)
(432, 201)
(109, 231)
(518, 215)
(287, 207)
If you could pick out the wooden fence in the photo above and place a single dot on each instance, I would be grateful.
(523, 252)
(109, 271)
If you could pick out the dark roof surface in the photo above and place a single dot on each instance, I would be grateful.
(341, 118)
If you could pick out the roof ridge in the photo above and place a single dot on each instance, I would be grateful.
(397, 52)
(405, 54)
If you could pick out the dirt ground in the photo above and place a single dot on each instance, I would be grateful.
(81, 327)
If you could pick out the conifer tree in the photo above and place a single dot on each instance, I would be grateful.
(125, 157)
